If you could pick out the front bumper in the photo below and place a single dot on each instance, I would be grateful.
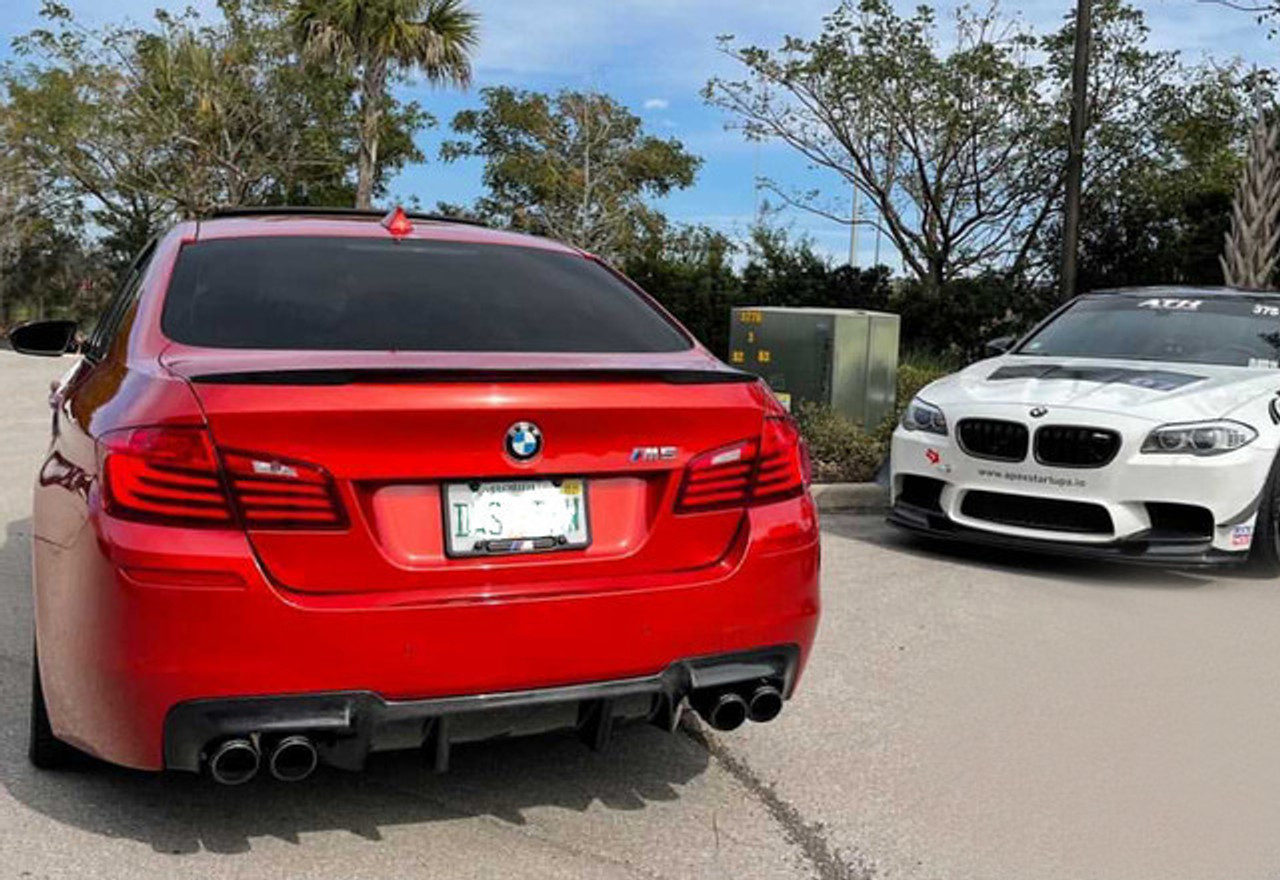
(347, 726)
(1224, 490)
(1139, 549)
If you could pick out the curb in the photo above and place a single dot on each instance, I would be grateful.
(851, 497)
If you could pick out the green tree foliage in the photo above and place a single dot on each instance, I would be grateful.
(956, 137)
(142, 125)
(374, 39)
(948, 144)
(690, 270)
(958, 144)
(789, 273)
(53, 274)
(576, 166)
(693, 273)
(1161, 217)
(959, 318)
(1128, 85)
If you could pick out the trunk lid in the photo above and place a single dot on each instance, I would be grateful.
(393, 429)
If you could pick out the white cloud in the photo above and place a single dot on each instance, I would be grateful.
(670, 45)
(656, 104)
(663, 43)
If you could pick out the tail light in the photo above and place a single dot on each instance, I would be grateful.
(784, 461)
(276, 494)
(774, 467)
(719, 478)
(164, 474)
(172, 475)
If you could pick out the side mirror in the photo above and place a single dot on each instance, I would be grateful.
(1000, 345)
(44, 338)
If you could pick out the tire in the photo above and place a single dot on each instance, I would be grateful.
(44, 749)
(1264, 557)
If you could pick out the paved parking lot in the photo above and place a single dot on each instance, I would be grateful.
(964, 717)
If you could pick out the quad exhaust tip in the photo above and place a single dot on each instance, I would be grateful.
(293, 759)
(765, 703)
(234, 762)
(725, 711)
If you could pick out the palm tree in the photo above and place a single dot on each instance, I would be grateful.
(1252, 247)
(372, 37)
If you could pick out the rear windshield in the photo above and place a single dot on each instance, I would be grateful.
(1233, 331)
(364, 294)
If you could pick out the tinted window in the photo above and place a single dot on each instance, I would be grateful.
(346, 293)
(1235, 331)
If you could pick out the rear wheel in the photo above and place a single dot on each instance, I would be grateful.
(1265, 554)
(44, 749)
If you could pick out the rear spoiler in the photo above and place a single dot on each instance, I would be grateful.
(400, 375)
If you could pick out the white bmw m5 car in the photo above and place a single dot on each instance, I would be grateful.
(1138, 424)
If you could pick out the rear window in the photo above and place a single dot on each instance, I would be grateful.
(366, 294)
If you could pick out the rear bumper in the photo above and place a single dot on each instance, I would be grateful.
(1139, 550)
(125, 637)
(347, 726)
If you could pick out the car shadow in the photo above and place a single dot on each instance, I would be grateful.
(182, 813)
(873, 529)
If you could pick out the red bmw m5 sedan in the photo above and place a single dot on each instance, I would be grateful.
(324, 483)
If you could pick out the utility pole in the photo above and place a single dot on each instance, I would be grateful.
(1075, 148)
(853, 230)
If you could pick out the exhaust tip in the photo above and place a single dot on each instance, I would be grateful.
(765, 703)
(234, 762)
(293, 759)
(727, 711)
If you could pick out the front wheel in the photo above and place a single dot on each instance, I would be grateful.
(44, 749)
(1264, 557)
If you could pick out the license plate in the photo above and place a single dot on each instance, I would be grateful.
(515, 516)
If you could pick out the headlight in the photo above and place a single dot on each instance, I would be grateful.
(922, 416)
(1199, 438)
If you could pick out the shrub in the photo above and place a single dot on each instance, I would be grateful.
(842, 450)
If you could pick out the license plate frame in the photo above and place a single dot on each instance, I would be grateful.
(516, 545)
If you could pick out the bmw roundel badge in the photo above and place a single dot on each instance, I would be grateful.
(524, 441)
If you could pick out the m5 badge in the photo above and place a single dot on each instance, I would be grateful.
(653, 453)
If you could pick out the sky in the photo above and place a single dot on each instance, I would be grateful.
(656, 55)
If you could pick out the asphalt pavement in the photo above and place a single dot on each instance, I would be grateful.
(967, 714)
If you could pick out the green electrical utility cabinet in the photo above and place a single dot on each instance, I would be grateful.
(843, 358)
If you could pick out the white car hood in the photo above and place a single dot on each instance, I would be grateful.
(1158, 391)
